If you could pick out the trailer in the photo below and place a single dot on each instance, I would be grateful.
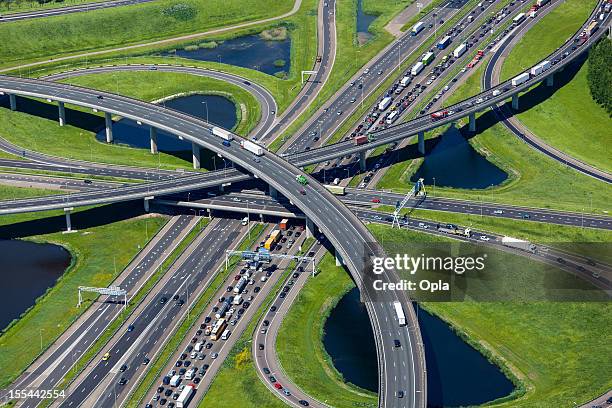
(254, 148)
(384, 104)
(540, 3)
(591, 28)
(417, 68)
(417, 28)
(428, 57)
(541, 67)
(272, 239)
(460, 50)
(524, 77)
(337, 190)
(222, 133)
(185, 397)
(222, 311)
(399, 312)
(518, 244)
(241, 285)
(444, 42)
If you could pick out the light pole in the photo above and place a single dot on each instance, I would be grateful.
(206, 105)
(434, 187)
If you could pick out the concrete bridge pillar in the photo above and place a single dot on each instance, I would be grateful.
(147, 204)
(362, 161)
(421, 137)
(68, 220)
(153, 137)
(310, 228)
(339, 260)
(515, 101)
(550, 80)
(13, 102)
(62, 113)
(195, 151)
(273, 192)
(108, 120)
(208, 210)
(472, 126)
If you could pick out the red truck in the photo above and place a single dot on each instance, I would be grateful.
(439, 115)
(359, 140)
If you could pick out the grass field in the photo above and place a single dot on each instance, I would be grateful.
(40, 131)
(56, 36)
(534, 179)
(568, 119)
(299, 344)
(96, 261)
(9, 192)
(7, 8)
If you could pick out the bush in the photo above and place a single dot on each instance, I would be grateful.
(275, 34)
(280, 63)
(180, 11)
(191, 48)
(599, 75)
(208, 44)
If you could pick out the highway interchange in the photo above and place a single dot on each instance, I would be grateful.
(315, 202)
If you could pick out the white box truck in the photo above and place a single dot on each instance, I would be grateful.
(524, 77)
(540, 3)
(222, 133)
(384, 104)
(185, 396)
(417, 68)
(536, 70)
(545, 65)
(405, 81)
(518, 244)
(418, 27)
(254, 148)
(460, 50)
(399, 312)
(391, 118)
(175, 381)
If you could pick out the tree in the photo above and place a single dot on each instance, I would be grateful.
(599, 74)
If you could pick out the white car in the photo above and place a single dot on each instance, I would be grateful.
(366, 71)
(479, 100)
(193, 354)
(484, 238)
(263, 278)
(498, 212)
(214, 355)
(423, 225)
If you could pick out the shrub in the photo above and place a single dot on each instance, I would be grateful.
(180, 11)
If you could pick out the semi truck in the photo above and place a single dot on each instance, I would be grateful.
(399, 312)
(222, 311)
(518, 244)
(417, 68)
(384, 104)
(222, 133)
(524, 77)
(460, 50)
(444, 42)
(240, 285)
(591, 28)
(185, 397)
(417, 28)
(454, 230)
(337, 190)
(428, 57)
(254, 148)
(359, 140)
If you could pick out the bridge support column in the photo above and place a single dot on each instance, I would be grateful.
(515, 101)
(147, 204)
(550, 80)
(62, 113)
(273, 192)
(472, 126)
(68, 221)
(13, 102)
(195, 151)
(108, 120)
(422, 142)
(310, 229)
(153, 137)
(362, 161)
(339, 260)
(209, 213)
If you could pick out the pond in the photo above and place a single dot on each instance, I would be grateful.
(221, 112)
(457, 374)
(453, 162)
(28, 270)
(251, 51)
(363, 23)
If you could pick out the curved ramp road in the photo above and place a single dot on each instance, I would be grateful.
(491, 77)
(349, 236)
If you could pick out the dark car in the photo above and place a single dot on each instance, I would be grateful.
(100, 97)
(272, 379)
(273, 309)
(122, 381)
(87, 181)
(397, 343)
(266, 370)
(160, 390)
(207, 319)
(400, 394)
(163, 300)
(304, 403)
(168, 392)
(261, 346)
(163, 401)
(179, 363)
(123, 368)
(266, 322)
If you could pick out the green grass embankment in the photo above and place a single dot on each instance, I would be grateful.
(10, 192)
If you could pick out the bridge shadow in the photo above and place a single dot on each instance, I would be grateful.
(89, 218)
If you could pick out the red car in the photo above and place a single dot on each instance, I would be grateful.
(376, 200)
(278, 386)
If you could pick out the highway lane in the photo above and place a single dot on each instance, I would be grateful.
(491, 78)
(193, 272)
(59, 11)
(263, 96)
(49, 369)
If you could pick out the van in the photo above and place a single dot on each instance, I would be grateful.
(225, 334)
(189, 374)
(198, 347)
(244, 221)
(336, 181)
